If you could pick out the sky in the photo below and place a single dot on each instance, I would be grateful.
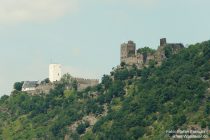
(85, 36)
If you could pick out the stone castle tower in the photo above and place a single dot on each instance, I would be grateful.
(127, 50)
(163, 42)
(130, 56)
(54, 72)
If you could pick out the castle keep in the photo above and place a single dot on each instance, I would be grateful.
(54, 72)
(130, 56)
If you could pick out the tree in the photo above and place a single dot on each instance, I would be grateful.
(81, 128)
(122, 64)
(18, 86)
(106, 81)
(152, 63)
(137, 132)
(4, 98)
(207, 109)
(117, 89)
(45, 81)
(74, 84)
(178, 120)
(145, 50)
(168, 51)
(203, 124)
(66, 78)
(121, 74)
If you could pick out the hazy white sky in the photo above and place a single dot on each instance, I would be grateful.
(85, 36)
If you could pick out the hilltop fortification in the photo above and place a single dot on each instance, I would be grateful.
(84, 83)
(141, 57)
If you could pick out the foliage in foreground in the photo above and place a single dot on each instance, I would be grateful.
(141, 103)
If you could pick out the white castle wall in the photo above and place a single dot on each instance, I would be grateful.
(54, 72)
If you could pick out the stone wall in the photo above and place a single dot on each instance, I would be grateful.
(149, 58)
(127, 50)
(140, 60)
(131, 60)
(176, 47)
(42, 88)
(84, 83)
(45, 88)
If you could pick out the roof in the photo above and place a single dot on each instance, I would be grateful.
(30, 84)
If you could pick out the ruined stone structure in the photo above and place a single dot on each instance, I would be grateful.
(130, 56)
(44, 88)
(128, 50)
(84, 83)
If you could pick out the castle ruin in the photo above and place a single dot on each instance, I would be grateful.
(84, 83)
(130, 56)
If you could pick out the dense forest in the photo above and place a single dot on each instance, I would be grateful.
(128, 104)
